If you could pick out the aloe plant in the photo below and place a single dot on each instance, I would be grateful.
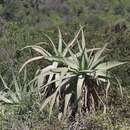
(56, 60)
(18, 93)
(72, 77)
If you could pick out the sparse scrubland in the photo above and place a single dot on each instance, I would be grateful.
(64, 65)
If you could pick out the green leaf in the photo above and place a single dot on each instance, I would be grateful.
(79, 47)
(92, 50)
(109, 65)
(79, 86)
(46, 101)
(4, 99)
(99, 53)
(13, 96)
(67, 99)
(89, 57)
(72, 56)
(39, 49)
(120, 86)
(30, 60)
(60, 42)
(53, 102)
(83, 60)
(53, 45)
(4, 83)
(107, 88)
(17, 89)
(59, 69)
(93, 64)
(71, 63)
(70, 45)
(83, 40)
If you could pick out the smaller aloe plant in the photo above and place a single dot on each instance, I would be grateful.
(72, 77)
(18, 92)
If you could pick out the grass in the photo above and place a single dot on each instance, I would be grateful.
(19, 109)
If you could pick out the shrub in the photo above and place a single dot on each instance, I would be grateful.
(95, 21)
(119, 10)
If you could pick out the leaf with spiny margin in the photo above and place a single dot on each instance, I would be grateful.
(99, 53)
(53, 45)
(79, 47)
(39, 49)
(83, 40)
(60, 42)
(72, 55)
(109, 65)
(71, 64)
(93, 64)
(30, 60)
(71, 43)
(83, 62)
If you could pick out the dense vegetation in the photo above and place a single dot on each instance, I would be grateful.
(73, 44)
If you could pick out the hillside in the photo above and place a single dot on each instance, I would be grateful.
(43, 23)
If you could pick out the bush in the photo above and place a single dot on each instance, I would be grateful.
(95, 21)
(119, 10)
